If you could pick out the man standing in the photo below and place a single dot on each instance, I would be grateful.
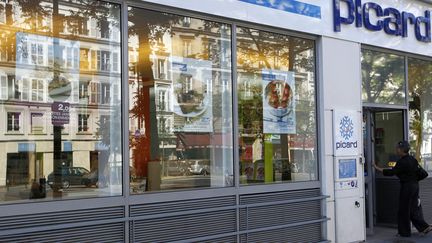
(410, 209)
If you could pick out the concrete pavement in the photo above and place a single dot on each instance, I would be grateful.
(387, 235)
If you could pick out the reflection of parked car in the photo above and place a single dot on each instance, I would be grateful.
(199, 167)
(176, 167)
(92, 178)
(69, 176)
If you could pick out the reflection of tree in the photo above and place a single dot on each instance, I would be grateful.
(383, 77)
(419, 76)
(149, 27)
(34, 13)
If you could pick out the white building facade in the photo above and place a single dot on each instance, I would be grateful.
(209, 121)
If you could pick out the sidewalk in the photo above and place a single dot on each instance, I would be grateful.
(387, 235)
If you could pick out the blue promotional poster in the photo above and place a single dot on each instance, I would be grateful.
(278, 102)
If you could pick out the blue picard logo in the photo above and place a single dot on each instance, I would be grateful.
(346, 127)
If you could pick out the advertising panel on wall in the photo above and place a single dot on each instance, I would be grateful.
(278, 102)
(192, 103)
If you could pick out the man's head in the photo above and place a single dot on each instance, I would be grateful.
(402, 148)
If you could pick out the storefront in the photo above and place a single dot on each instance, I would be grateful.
(229, 121)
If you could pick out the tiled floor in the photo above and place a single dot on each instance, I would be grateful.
(387, 235)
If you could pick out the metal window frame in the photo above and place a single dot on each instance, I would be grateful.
(126, 198)
(405, 108)
(124, 4)
(188, 193)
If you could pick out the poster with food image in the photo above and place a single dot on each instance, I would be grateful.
(192, 95)
(278, 102)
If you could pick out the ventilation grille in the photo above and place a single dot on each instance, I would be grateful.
(304, 233)
(180, 206)
(277, 215)
(219, 240)
(278, 196)
(184, 227)
(268, 216)
(63, 217)
(96, 233)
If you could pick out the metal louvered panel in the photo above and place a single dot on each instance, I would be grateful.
(63, 217)
(276, 210)
(426, 198)
(180, 206)
(219, 240)
(184, 227)
(304, 233)
(278, 196)
(95, 233)
(259, 217)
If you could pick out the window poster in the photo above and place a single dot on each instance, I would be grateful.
(278, 102)
(192, 95)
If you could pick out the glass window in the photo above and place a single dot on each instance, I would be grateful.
(420, 110)
(3, 87)
(383, 78)
(276, 107)
(94, 93)
(24, 87)
(83, 122)
(105, 93)
(195, 148)
(13, 121)
(84, 59)
(37, 55)
(37, 123)
(46, 94)
(38, 90)
(115, 60)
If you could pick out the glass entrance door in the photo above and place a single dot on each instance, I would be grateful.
(382, 129)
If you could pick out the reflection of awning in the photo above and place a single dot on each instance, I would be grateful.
(200, 140)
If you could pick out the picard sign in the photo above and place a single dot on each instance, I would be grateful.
(60, 113)
(376, 18)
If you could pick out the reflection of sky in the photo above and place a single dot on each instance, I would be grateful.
(291, 6)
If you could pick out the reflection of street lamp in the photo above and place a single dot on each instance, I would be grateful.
(163, 159)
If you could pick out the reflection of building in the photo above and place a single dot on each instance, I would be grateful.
(88, 58)
(168, 55)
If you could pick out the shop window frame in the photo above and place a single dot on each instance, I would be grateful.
(124, 95)
(261, 188)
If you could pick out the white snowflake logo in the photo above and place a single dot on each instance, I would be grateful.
(346, 127)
